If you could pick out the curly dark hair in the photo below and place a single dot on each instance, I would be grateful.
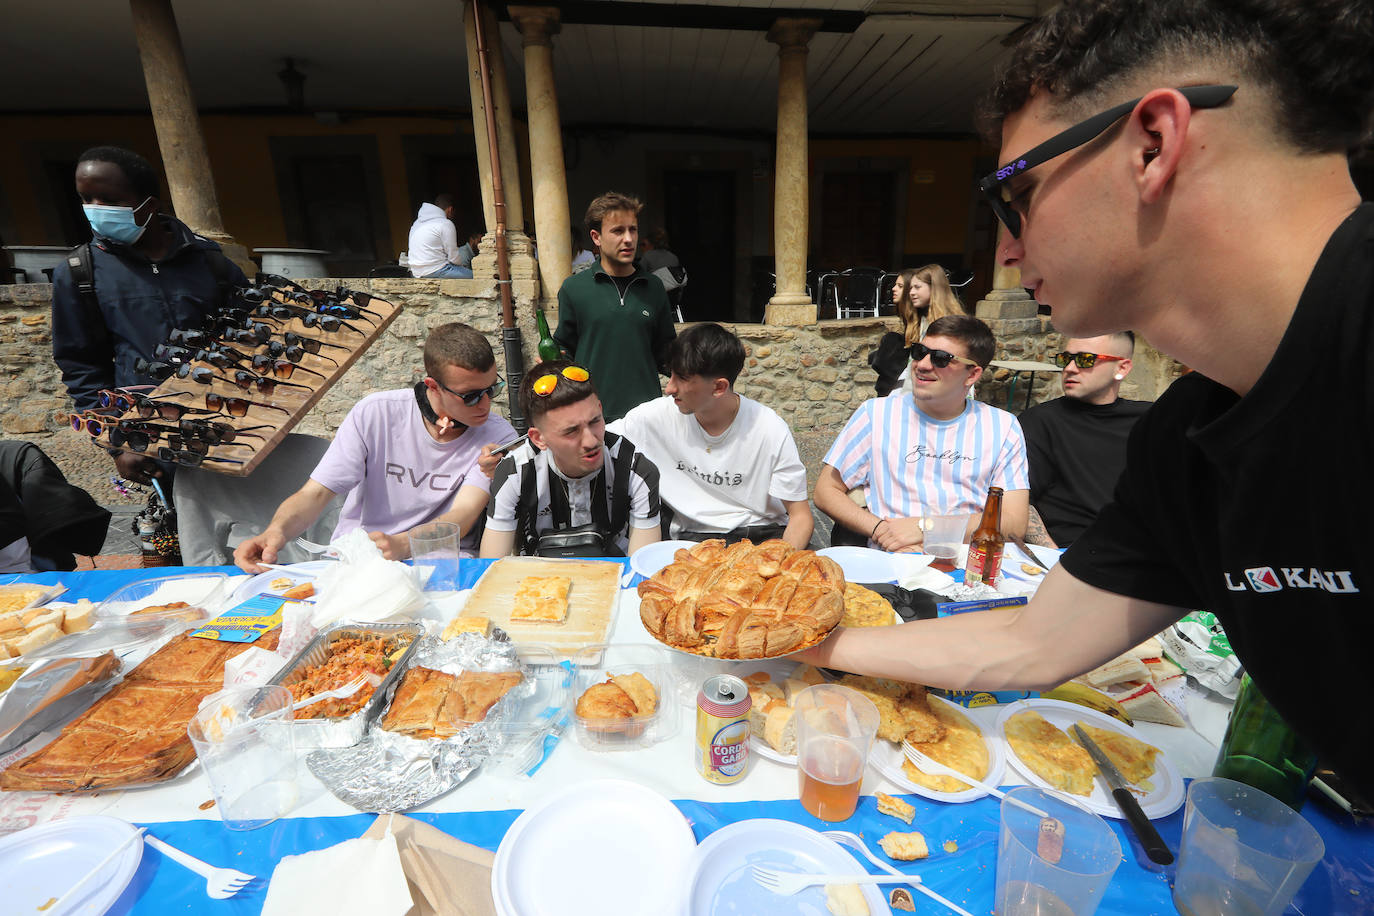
(1313, 56)
(138, 171)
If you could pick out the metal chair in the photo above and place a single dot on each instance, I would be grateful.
(862, 292)
(825, 284)
(674, 282)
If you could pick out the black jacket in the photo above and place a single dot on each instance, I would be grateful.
(139, 301)
(36, 501)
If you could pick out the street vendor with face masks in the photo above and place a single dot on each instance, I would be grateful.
(143, 274)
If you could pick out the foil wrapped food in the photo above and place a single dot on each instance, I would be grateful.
(387, 772)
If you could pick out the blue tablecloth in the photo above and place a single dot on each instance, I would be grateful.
(1342, 883)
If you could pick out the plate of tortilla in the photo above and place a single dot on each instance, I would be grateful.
(965, 745)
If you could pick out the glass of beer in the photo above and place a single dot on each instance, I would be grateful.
(944, 535)
(835, 728)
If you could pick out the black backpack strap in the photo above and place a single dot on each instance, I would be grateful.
(82, 267)
(527, 510)
(620, 488)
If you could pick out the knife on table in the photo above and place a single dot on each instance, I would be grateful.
(1125, 800)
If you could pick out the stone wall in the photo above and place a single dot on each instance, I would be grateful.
(813, 376)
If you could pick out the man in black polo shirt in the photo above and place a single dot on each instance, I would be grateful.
(1211, 209)
(1076, 445)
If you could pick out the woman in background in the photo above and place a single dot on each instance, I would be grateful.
(921, 296)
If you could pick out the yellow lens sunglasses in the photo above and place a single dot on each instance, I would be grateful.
(545, 384)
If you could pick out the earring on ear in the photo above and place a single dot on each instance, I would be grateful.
(1119, 377)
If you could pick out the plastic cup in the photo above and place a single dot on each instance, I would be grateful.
(435, 546)
(1029, 880)
(943, 536)
(243, 738)
(835, 729)
(1243, 852)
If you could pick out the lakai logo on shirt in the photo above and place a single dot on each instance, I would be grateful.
(1264, 579)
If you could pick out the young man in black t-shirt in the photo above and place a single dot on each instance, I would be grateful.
(1193, 185)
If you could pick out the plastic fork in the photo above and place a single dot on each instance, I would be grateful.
(312, 547)
(338, 693)
(787, 883)
(220, 883)
(852, 840)
(926, 764)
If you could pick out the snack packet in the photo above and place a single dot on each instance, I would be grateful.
(1198, 645)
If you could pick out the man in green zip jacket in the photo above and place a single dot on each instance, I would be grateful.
(614, 319)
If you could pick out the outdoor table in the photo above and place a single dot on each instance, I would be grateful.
(481, 810)
(1017, 366)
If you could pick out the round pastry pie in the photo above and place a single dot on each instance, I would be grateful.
(743, 601)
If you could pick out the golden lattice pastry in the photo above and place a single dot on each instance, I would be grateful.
(743, 601)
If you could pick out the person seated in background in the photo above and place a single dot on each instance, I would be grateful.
(656, 254)
(930, 452)
(728, 466)
(582, 257)
(1076, 444)
(574, 489)
(921, 296)
(405, 457)
(57, 520)
(432, 248)
(469, 250)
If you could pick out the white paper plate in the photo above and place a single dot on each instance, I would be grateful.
(758, 746)
(863, 564)
(719, 880)
(605, 846)
(887, 758)
(261, 583)
(1168, 792)
(44, 862)
(650, 558)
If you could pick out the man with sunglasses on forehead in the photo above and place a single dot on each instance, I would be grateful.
(405, 457)
(1077, 444)
(583, 483)
(143, 273)
(1215, 215)
(932, 451)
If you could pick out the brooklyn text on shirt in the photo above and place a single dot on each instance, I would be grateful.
(407, 476)
(714, 477)
(950, 455)
(1266, 579)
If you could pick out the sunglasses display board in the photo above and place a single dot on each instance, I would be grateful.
(229, 392)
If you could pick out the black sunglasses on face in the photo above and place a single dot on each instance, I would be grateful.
(1082, 360)
(1009, 206)
(236, 407)
(473, 398)
(940, 359)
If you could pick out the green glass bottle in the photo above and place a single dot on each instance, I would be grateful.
(1261, 750)
(548, 347)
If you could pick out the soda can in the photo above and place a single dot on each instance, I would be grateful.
(722, 749)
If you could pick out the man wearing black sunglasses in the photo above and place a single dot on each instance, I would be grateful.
(1076, 444)
(933, 451)
(1228, 233)
(405, 457)
(142, 274)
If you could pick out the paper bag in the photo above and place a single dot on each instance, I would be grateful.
(447, 876)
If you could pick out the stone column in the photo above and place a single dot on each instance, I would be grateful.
(517, 243)
(1006, 299)
(190, 182)
(790, 303)
(551, 214)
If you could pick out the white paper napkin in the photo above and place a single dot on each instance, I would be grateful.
(310, 883)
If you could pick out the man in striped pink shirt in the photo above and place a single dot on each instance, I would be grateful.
(934, 451)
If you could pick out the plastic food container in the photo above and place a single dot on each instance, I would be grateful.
(22, 596)
(596, 665)
(346, 731)
(203, 592)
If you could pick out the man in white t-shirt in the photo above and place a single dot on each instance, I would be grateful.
(728, 466)
(591, 488)
(404, 457)
(930, 452)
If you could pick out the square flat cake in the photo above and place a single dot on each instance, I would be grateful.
(542, 598)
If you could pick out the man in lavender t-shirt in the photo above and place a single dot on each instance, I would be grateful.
(404, 457)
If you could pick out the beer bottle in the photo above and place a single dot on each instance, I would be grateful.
(548, 347)
(1261, 750)
(984, 564)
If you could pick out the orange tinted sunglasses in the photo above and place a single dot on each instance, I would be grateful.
(545, 384)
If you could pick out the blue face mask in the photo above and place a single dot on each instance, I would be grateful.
(116, 223)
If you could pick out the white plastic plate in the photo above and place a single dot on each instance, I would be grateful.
(42, 863)
(863, 564)
(887, 758)
(650, 558)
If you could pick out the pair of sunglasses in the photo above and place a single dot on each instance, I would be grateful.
(165, 370)
(280, 368)
(138, 436)
(1082, 360)
(307, 317)
(473, 398)
(236, 407)
(189, 459)
(217, 433)
(545, 384)
(90, 422)
(293, 352)
(308, 344)
(220, 357)
(940, 359)
(146, 407)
